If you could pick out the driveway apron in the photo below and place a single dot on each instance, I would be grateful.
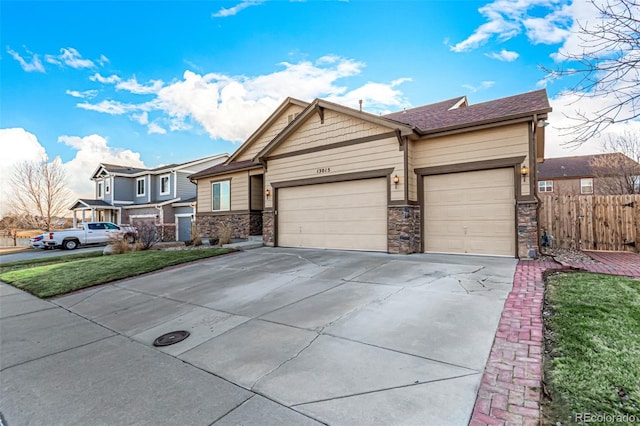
(278, 336)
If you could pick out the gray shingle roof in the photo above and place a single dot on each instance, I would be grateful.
(571, 167)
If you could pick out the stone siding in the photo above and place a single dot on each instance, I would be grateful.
(528, 230)
(267, 228)
(255, 223)
(210, 225)
(403, 233)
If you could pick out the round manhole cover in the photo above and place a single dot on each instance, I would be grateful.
(171, 338)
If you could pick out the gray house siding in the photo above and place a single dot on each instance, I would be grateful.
(123, 188)
(186, 189)
(183, 210)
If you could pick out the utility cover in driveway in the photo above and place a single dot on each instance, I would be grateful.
(171, 338)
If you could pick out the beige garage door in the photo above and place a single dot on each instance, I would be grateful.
(342, 215)
(470, 212)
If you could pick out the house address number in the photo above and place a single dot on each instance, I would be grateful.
(323, 170)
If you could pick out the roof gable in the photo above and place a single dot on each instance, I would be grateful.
(318, 107)
(264, 127)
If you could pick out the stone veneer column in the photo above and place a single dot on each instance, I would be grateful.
(403, 230)
(267, 228)
(528, 230)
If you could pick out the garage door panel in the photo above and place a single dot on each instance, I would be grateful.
(470, 212)
(342, 215)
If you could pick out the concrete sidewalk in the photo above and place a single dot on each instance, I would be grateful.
(277, 337)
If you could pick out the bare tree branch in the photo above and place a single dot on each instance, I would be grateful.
(608, 66)
(39, 191)
(618, 173)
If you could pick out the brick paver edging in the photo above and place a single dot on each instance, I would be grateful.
(510, 389)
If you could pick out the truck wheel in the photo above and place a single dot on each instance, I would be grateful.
(70, 244)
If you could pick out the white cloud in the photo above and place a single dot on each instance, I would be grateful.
(91, 151)
(103, 60)
(108, 107)
(142, 118)
(70, 57)
(133, 86)
(112, 79)
(504, 55)
(17, 146)
(483, 85)
(28, 66)
(85, 94)
(509, 18)
(231, 107)
(155, 128)
(231, 11)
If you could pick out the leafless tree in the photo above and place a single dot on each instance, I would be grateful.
(39, 191)
(618, 173)
(607, 66)
(148, 234)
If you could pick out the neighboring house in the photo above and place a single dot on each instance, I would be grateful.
(447, 177)
(598, 174)
(162, 196)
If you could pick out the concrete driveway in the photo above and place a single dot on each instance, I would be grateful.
(278, 336)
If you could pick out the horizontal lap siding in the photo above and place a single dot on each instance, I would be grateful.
(239, 191)
(336, 128)
(373, 155)
(269, 134)
(489, 144)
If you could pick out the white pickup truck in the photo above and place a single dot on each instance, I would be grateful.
(87, 233)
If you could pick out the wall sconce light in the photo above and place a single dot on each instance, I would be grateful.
(396, 180)
(524, 171)
(543, 123)
(267, 193)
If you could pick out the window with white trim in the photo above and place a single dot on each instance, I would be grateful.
(107, 186)
(164, 185)
(221, 196)
(586, 186)
(140, 187)
(99, 189)
(545, 186)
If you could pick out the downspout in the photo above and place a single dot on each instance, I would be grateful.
(533, 176)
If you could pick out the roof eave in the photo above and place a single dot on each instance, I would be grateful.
(515, 118)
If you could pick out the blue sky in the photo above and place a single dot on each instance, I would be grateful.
(157, 82)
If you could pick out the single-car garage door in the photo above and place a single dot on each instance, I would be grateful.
(348, 215)
(470, 212)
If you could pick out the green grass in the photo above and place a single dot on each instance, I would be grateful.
(594, 361)
(20, 264)
(64, 276)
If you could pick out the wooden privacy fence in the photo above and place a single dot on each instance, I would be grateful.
(592, 222)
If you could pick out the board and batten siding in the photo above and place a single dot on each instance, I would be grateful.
(269, 134)
(336, 128)
(480, 145)
(378, 154)
(239, 191)
(123, 188)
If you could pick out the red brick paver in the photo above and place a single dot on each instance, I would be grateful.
(510, 389)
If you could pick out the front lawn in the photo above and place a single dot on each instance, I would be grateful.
(593, 343)
(63, 276)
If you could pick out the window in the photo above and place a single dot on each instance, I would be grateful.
(99, 189)
(221, 196)
(164, 185)
(107, 187)
(586, 186)
(140, 189)
(96, 226)
(111, 226)
(545, 186)
(635, 184)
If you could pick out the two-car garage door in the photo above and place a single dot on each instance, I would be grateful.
(470, 212)
(350, 215)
